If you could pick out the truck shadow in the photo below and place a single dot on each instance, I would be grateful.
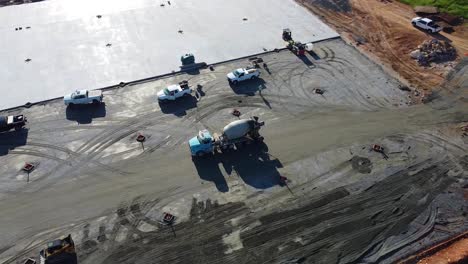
(12, 139)
(252, 164)
(249, 87)
(180, 106)
(435, 35)
(84, 114)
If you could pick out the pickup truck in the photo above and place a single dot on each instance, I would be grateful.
(83, 97)
(173, 92)
(426, 24)
(14, 121)
(242, 74)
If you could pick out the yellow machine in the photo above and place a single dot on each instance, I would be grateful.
(60, 251)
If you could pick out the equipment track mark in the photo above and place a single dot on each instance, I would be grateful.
(39, 154)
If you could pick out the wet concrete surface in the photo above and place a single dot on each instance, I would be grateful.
(343, 203)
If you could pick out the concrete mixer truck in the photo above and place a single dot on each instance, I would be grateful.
(235, 134)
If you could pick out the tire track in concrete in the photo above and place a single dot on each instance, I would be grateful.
(41, 155)
(74, 154)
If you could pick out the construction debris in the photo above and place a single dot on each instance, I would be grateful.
(434, 50)
(255, 62)
(450, 19)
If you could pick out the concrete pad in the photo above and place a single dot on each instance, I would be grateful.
(62, 44)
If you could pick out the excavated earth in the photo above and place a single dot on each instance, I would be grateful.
(382, 30)
(343, 203)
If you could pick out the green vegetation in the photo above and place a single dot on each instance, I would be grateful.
(454, 7)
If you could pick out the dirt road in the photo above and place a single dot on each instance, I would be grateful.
(385, 31)
(344, 203)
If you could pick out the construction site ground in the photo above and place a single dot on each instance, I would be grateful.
(382, 30)
(343, 202)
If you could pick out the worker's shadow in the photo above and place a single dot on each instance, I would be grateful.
(12, 139)
(248, 87)
(265, 101)
(253, 165)
(208, 170)
(84, 114)
(179, 107)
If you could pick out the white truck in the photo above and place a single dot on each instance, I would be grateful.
(173, 92)
(242, 74)
(83, 97)
(426, 24)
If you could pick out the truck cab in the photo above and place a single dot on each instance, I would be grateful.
(202, 144)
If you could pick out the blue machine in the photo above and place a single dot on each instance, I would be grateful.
(202, 144)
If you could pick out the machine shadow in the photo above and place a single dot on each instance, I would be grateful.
(84, 114)
(306, 60)
(251, 163)
(12, 139)
(314, 55)
(180, 106)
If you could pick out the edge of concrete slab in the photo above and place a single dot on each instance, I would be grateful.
(160, 76)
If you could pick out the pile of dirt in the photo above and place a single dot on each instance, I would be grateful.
(434, 50)
(424, 10)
